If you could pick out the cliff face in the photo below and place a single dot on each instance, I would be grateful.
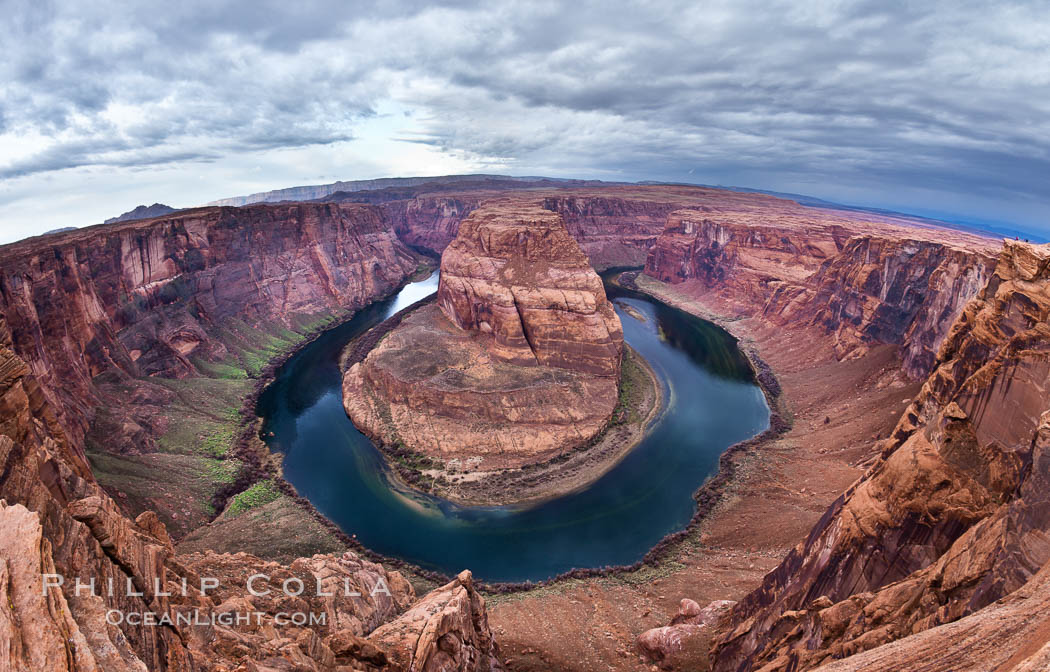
(886, 290)
(746, 259)
(514, 275)
(612, 231)
(1007, 636)
(55, 521)
(953, 516)
(429, 223)
(151, 298)
(519, 361)
(859, 289)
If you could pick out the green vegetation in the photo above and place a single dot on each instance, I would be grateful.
(634, 385)
(203, 419)
(280, 530)
(261, 493)
(178, 487)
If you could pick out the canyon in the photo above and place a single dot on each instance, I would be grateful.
(517, 362)
(910, 366)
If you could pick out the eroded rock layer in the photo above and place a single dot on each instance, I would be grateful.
(797, 268)
(518, 361)
(154, 297)
(515, 277)
(955, 514)
(149, 610)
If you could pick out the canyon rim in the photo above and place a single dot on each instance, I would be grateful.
(388, 411)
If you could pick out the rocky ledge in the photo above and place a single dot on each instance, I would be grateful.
(518, 362)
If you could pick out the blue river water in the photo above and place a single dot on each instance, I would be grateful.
(712, 402)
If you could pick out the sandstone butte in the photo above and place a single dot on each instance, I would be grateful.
(518, 361)
(935, 558)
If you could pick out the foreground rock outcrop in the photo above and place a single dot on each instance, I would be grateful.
(685, 643)
(518, 361)
(84, 587)
(954, 516)
(446, 630)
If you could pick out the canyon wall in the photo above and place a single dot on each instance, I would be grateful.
(898, 288)
(96, 302)
(151, 298)
(745, 259)
(955, 514)
(429, 223)
(900, 291)
(613, 231)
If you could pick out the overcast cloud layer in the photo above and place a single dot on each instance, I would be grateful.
(927, 107)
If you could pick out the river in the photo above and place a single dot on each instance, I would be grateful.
(712, 402)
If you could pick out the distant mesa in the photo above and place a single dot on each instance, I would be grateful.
(143, 212)
(392, 188)
(518, 361)
(59, 230)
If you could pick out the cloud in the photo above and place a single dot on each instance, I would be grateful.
(874, 100)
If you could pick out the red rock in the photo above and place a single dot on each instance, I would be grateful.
(805, 268)
(518, 362)
(685, 643)
(446, 630)
(953, 515)
(146, 298)
(515, 275)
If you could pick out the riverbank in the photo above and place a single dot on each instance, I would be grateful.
(641, 402)
(244, 522)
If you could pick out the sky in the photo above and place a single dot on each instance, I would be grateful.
(939, 108)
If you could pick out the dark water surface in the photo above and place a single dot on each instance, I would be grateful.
(713, 402)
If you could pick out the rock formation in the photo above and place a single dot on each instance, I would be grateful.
(154, 297)
(886, 290)
(887, 285)
(952, 517)
(514, 275)
(519, 360)
(446, 630)
(612, 230)
(55, 521)
(142, 212)
(685, 643)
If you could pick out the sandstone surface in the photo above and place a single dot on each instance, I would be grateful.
(951, 518)
(518, 361)
(158, 297)
(860, 283)
(446, 630)
(515, 277)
